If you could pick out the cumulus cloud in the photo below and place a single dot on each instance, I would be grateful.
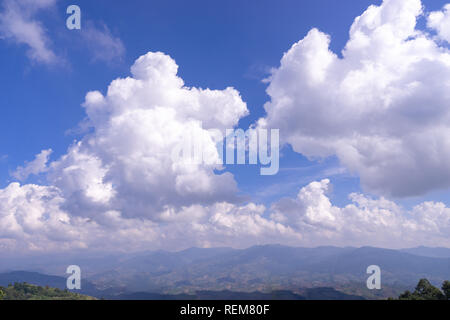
(382, 108)
(18, 24)
(32, 218)
(127, 163)
(121, 184)
(35, 167)
(366, 221)
(440, 21)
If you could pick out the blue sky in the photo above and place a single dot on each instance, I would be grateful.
(216, 44)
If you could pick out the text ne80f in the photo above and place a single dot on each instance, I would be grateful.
(235, 309)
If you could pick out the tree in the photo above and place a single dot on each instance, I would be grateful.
(2, 294)
(426, 291)
(446, 289)
(407, 295)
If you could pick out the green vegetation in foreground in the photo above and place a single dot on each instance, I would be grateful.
(426, 291)
(25, 291)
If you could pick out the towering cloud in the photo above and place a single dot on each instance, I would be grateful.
(126, 164)
(382, 109)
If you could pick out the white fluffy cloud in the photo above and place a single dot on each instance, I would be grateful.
(35, 167)
(121, 187)
(126, 163)
(366, 221)
(382, 109)
(440, 21)
(121, 183)
(32, 218)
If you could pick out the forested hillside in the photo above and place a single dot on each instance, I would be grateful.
(25, 291)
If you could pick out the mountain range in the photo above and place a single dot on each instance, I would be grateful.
(268, 269)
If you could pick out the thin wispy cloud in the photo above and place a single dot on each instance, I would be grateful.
(102, 44)
(19, 25)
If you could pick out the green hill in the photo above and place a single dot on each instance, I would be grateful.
(25, 291)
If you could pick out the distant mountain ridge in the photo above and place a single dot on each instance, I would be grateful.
(438, 252)
(309, 294)
(264, 269)
(24, 278)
